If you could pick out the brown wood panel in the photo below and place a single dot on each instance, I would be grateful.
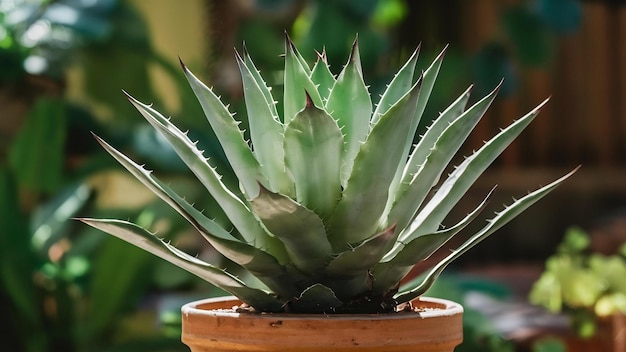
(598, 110)
(621, 82)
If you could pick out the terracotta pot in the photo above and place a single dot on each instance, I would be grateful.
(211, 325)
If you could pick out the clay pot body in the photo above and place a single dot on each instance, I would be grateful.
(211, 325)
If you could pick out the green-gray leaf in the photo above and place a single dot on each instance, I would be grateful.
(322, 77)
(266, 130)
(238, 212)
(257, 261)
(396, 265)
(313, 146)
(358, 213)
(350, 104)
(226, 128)
(501, 219)
(300, 229)
(398, 87)
(411, 194)
(143, 239)
(362, 257)
(463, 177)
(297, 81)
(428, 79)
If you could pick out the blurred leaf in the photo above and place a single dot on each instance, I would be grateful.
(549, 344)
(562, 16)
(95, 6)
(87, 25)
(584, 323)
(17, 262)
(262, 42)
(169, 276)
(390, 12)
(110, 69)
(611, 270)
(120, 63)
(50, 221)
(581, 288)
(528, 35)
(154, 344)
(119, 276)
(153, 147)
(121, 273)
(356, 10)
(479, 332)
(20, 13)
(37, 152)
(547, 292)
(611, 304)
(576, 240)
(327, 31)
(492, 65)
(77, 266)
(481, 335)
(11, 58)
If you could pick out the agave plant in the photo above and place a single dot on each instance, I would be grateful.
(336, 203)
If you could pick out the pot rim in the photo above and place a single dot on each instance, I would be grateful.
(434, 307)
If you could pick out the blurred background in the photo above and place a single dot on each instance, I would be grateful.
(63, 64)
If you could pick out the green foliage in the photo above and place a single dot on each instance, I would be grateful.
(586, 285)
(527, 32)
(479, 332)
(334, 205)
(55, 276)
(38, 151)
(37, 37)
(549, 345)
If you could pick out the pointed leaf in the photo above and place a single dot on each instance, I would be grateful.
(313, 146)
(398, 87)
(322, 77)
(411, 195)
(38, 147)
(501, 219)
(300, 229)
(422, 247)
(396, 265)
(256, 260)
(266, 130)
(350, 104)
(428, 140)
(49, 223)
(462, 178)
(226, 128)
(297, 81)
(358, 212)
(297, 56)
(271, 103)
(143, 239)
(428, 78)
(236, 211)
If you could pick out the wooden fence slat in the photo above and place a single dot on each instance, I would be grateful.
(598, 111)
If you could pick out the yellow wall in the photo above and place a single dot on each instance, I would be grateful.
(177, 28)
